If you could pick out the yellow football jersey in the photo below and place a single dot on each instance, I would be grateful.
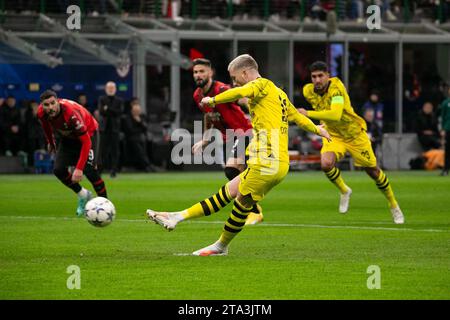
(270, 112)
(350, 124)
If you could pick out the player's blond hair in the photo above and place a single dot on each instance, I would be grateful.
(244, 61)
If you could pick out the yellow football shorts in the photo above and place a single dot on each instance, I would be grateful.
(360, 149)
(259, 180)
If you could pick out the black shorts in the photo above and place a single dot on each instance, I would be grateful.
(239, 148)
(68, 152)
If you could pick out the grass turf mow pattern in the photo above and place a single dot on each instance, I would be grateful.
(305, 249)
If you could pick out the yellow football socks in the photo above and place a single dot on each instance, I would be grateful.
(235, 222)
(383, 184)
(209, 205)
(334, 175)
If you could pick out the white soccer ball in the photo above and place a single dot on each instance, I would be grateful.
(99, 212)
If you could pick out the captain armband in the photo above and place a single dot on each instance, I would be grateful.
(337, 99)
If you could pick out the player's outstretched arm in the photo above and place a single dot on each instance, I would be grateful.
(306, 123)
(334, 114)
(229, 95)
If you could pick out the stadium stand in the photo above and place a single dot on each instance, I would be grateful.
(146, 46)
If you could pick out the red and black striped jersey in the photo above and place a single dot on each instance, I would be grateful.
(225, 115)
(73, 122)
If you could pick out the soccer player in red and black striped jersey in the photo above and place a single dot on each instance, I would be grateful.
(222, 117)
(72, 133)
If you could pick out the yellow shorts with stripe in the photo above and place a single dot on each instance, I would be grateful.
(259, 180)
(360, 149)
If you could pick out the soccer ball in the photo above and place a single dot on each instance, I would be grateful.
(99, 212)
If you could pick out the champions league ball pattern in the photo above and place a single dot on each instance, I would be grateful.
(100, 212)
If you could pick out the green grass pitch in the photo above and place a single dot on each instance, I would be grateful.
(305, 249)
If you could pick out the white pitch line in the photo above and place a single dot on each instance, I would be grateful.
(265, 224)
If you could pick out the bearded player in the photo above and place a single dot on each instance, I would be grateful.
(222, 117)
(78, 140)
(348, 132)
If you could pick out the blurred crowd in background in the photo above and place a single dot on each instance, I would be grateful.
(392, 10)
(126, 132)
(144, 127)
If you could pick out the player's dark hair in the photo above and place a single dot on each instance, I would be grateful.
(47, 94)
(201, 61)
(318, 66)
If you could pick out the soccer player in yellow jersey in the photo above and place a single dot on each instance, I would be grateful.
(332, 107)
(268, 164)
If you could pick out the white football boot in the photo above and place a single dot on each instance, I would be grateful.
(345, 201)
(213, 250)
(397, 215)
(164, 219)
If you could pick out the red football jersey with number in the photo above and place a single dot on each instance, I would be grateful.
(73, 122)
(223, 116)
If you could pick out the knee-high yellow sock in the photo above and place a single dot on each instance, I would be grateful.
(235, 222)
(210, 205)
(334, 175)
(383, 184)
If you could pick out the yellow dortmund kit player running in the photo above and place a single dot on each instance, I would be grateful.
(270, 111)
(332, 107)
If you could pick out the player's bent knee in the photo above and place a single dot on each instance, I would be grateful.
(60, 172)
(327, 161)
(89, 170)
(373, 172)
(233, 187)
(91, 174)
(327, 165)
